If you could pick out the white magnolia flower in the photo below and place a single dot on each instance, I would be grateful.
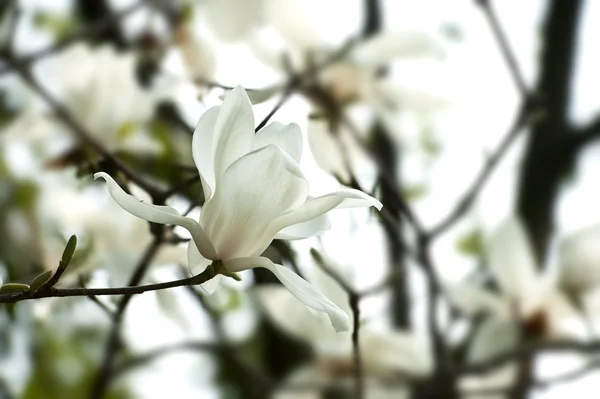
(84, 80)
(255, 192)
(493, 337)
(524, 293)
(385, 354)
(354, 78)
(527, 300)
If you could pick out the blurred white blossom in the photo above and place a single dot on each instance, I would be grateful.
(386, 354)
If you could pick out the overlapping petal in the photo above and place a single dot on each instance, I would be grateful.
(159, 214)
(472, 300)
(299, 287)
(513, 263)
(286, 137)
(255, 190)
(202, 150)
(233, 131)
(316, 207)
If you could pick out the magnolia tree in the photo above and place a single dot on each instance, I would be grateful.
(287, 199)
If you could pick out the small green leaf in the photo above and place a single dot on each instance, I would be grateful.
(11, 288)
(414, 192)
(471, 243)
(69, 250)
(40, 280)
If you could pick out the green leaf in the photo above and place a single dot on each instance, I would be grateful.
(414, 192)
(429, 143)
(12, 288)
(471, 244)
(69, 250)
(40, 280)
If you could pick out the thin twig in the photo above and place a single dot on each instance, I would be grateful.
(284, 97)
(505, 48)
(464, 204)
(113, 344)
(80, 131)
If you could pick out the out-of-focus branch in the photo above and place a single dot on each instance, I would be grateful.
(79, 130)
(505, 48)
(465, 203)
(113, 344)
(87, 32)
(527, 350)
(145, 358)
(539, 384)
(354, 298)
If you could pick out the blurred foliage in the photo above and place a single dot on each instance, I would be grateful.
(66, 363)
(471, 243)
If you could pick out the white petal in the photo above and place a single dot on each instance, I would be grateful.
(197, 264)
(326, 150)
(472, 299)
(388, 46)
(290, 315)
(198, 53)
(389, 352)
(310, 228)
(299, 287)
(512, 262)
(254, 191)
(202, 146)
(286, 137)
(233, 132)
(317, 207)
(494, 336)
(233, 19)
(158, 214)
(565, 322)
(579, 260)
(293, 21)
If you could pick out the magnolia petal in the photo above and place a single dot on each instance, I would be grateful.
(233, 131)
(158, 214)
(493, 337)
(202, 145)
(388, 46)
(473, 299)
(233, 20)
(396, 351)
(579, 260)
(564, 321)
(316, 207)
(286, 137)
(254, 191)
(299, 287)
(197, 264)
(290, 315)
(310, 228)
(293, 21)
(513, 263)
(326, 149)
